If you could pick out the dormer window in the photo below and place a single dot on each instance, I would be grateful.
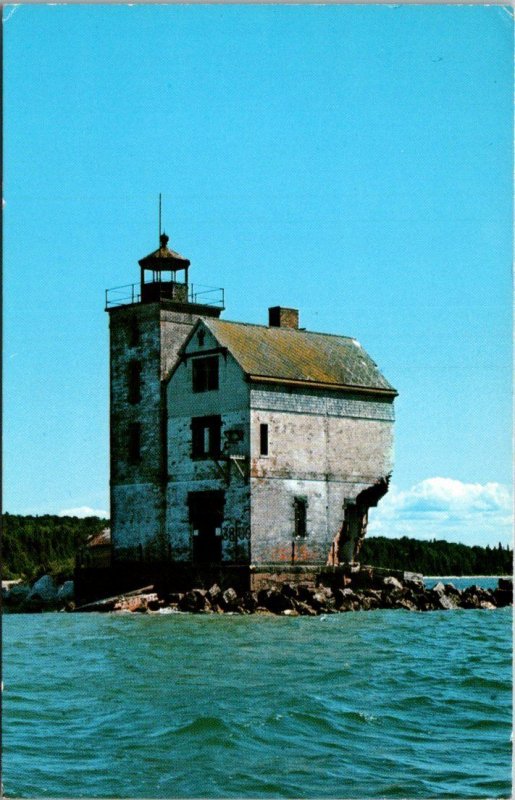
(205, 374)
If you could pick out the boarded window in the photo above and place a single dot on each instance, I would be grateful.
(300, 507)
(133, 332)
(134, 387)
(134, 443)
(206, 437)
(205, 374)
(263, 439)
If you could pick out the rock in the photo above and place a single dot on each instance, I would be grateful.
(229, 600)
(17, 593)
(289, 590)
(214, 594)
(392, 584)
(43, 590)
(290, 612)
(414, 581)
(250, 601)
(398, 601)
(274, 600)
(444, 602)
(371, 599)
(487, 604)
(503, 598)
(323, 601)
(473, 596)
(304, 609)
(346, 600)
(189, 602)
(174, 598)
(305, 592)
(438, 588)
(451, 589)
(66, 592)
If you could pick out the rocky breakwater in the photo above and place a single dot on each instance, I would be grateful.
(305, 600)
(365, 591)
(44, 595)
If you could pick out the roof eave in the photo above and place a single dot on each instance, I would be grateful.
(391, 393)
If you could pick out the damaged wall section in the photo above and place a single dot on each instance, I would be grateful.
(325, 450)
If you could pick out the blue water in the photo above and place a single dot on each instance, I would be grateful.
(387, 704)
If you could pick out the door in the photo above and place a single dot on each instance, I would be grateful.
(206, 513)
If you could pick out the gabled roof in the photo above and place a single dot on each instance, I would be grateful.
(288, 355)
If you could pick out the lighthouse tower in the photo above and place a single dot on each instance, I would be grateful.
(148, 323)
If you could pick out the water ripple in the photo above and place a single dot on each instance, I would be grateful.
(385, 705)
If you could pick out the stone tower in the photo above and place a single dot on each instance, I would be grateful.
(148, 323)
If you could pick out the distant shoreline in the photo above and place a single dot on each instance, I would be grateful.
(459, 577)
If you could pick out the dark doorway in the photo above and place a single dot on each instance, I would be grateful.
(206, 512)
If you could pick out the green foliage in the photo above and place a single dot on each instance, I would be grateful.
(437, 557)
(33, 546)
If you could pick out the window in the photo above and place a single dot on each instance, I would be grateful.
(263, 439)
(300, 505)
(134, 443)
(205, 374)
(133, 332)
(201, 335)
(205, 437)
(134, 393)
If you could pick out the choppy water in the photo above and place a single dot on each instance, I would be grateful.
(386, 704)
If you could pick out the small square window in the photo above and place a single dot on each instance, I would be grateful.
(205, 374)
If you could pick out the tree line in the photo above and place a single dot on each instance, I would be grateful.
(436, 557)
(37, 545)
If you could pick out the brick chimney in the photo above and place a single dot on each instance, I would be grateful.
(279, 317)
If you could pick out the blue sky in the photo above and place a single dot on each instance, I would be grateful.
(352, 161)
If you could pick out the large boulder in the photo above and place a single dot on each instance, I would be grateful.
(44, 590)
(505, 584)
(16, 593)
(195, 600)
(347, 600)
(503, 597)
(229, 600)
(476, 596)
(275, 601)
(414, 581)
(214, 594)
(304, 609)
(66, 592)
(250, 601)
(391, 584)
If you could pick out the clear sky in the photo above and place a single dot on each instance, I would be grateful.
(352, 161)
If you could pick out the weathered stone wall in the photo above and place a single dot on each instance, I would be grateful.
(138, 489)
(326, 448)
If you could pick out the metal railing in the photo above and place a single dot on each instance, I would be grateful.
(122, 295)
(131, 293)
(207, 295)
